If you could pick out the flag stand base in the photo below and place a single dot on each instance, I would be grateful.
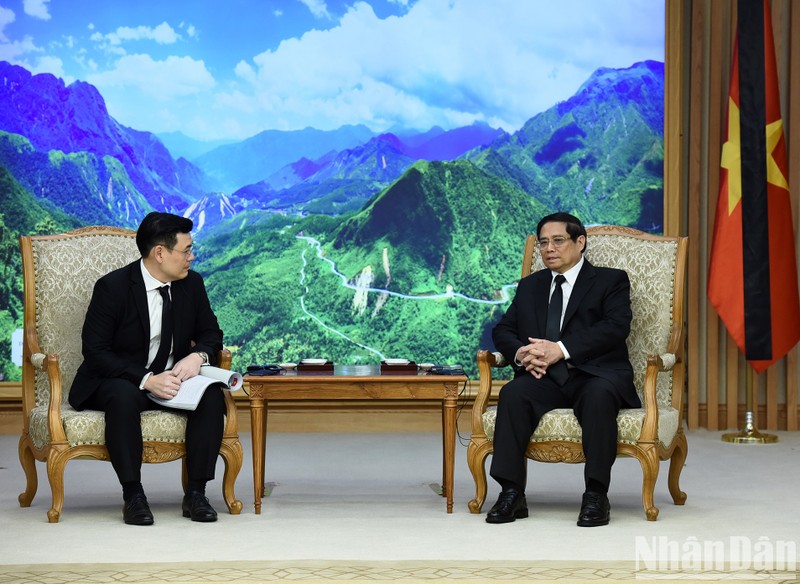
(750, 434)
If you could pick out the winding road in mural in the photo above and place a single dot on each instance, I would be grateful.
(345, 282)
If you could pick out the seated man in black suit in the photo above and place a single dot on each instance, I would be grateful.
(565, 333)
(149, 327)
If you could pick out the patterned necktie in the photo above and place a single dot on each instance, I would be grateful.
(160, 360)
(557, 371)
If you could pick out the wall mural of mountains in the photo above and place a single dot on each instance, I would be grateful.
(343, 244)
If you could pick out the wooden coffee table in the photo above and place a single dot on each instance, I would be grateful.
(352, 382)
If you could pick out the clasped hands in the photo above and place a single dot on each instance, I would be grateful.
(166, 384)
(538, 355)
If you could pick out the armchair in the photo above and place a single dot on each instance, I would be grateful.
(656, 267)
(59, 272)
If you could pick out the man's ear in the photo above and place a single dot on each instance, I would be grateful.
(157, 253)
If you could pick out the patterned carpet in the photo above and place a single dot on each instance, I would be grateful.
(372, 572)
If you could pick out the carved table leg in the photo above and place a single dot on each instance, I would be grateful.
(450, 404)
(258, 438)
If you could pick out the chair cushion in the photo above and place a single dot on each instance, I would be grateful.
(562, 424)
(89, 426)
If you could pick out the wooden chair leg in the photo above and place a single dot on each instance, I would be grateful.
(28, 462)
(676, 463)
(649, 460)
(476, 459)
(231, 452)
(56, 463)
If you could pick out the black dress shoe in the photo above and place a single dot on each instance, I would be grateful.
(595, 510)
(136, 511)
(510, 505)
(196, 506)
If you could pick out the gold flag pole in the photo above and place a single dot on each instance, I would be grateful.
(750, 434)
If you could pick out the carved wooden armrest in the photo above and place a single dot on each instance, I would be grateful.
(37, 360)
(664, 361)
(486, 360)
(56, 426)
(655, 364)
(224, 358)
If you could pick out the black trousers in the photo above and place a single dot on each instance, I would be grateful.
(123, 402)
(524, 400)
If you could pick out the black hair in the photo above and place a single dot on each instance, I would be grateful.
(160, 229)
(574, 226)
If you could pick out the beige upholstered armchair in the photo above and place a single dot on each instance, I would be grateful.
(656, 267)
(59, 272)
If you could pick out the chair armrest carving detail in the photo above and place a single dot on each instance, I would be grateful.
(668, 361)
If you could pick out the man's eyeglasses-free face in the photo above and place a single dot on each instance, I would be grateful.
(556, 241)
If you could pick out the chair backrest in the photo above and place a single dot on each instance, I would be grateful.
(59, 273)
(656, 267)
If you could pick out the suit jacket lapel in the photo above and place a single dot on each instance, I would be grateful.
(582, 285)
(140, 295)
(541, 300)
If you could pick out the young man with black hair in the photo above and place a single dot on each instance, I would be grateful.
(149, 327)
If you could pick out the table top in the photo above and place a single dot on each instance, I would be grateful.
(354, 382)
(355, 372)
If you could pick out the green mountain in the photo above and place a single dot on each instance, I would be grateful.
(93, 190)
(74, 118)
(419, 269)
(71, 190)
(418, 273)
(444, 222)
(20, 214)
(598, 155)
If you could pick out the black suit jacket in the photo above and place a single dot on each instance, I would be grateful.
(596, 324)
(116, 332)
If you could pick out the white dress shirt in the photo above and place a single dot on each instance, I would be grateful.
(571, 276)
(155, 304)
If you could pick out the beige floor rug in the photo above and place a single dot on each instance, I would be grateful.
(360, 508)
(407, 572)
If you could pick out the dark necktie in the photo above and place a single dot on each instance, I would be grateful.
(160, 360)
(557, 371)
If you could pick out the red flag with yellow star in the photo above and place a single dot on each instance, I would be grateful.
(752, 277)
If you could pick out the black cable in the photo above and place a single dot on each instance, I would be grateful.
(463, 400)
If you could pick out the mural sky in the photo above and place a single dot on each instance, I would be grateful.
(216, 70)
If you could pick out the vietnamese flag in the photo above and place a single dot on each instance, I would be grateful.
(752, 276)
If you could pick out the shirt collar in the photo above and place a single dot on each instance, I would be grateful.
(150, 283)
(572, 274)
